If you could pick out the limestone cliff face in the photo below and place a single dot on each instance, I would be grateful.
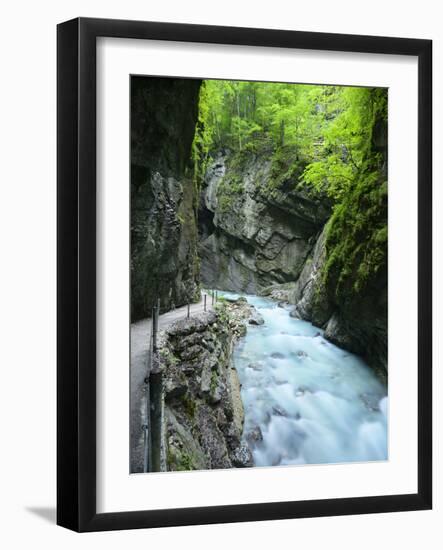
(251, 237)
(164, 261)
(309, 292)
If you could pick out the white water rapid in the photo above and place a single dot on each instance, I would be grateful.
(306, 401)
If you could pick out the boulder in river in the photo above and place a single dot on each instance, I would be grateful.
(242, 457)
(255, 366)
(279, 411)
(254, 435)
(256, 318)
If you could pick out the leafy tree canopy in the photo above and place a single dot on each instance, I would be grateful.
(323, 131)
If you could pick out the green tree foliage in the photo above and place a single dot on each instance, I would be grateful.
(318, 137)
(256, 116)
(318, 133)
(345, 128)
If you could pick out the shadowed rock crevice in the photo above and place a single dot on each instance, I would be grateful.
(164, 262)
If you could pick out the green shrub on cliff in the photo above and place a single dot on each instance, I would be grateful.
(357, 235)
(230, 187)
(356, 241)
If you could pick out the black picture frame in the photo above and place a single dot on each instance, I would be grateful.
(76, 279)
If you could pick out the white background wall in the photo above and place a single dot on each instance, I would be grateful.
(27, 289)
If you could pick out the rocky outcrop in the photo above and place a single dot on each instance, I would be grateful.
(358, 324)
(281, 293)
(254, 234)
(164, 259)
(203, 408)
(309, 293)
(361, 326)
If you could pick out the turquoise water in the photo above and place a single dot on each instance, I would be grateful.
(306, 401)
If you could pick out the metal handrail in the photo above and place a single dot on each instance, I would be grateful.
(153, 388)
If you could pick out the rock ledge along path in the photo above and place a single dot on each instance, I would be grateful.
(140, 341)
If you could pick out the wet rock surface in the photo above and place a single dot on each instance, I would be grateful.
(256, 318)
(203, 407)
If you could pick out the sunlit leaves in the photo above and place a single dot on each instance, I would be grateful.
(325, 129)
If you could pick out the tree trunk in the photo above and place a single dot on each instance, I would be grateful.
(238, 114)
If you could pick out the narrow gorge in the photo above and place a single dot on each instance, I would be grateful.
(270, 201)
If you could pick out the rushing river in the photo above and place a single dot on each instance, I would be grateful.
(306, 401)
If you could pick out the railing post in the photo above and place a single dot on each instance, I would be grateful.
(204, 299)
(155, 398)
(146, 446)
(189, 310)
(152, 429)
(154, 328)
(146, 427)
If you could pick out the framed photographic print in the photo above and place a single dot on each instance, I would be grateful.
(244, 274)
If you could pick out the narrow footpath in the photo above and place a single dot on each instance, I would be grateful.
(140, 340)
